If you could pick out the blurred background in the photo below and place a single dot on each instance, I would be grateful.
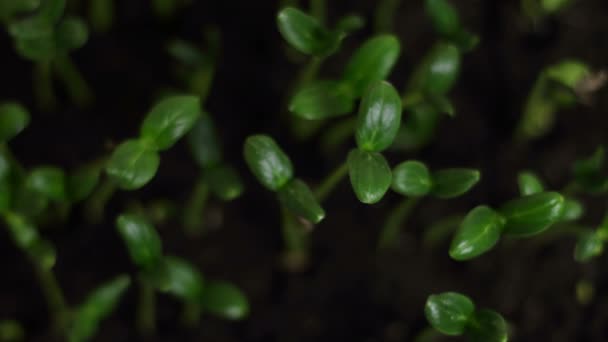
(348, 290)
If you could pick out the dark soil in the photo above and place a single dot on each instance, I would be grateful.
(350, 292)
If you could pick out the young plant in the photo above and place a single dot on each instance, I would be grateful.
(455, 314)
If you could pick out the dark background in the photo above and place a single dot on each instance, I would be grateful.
(350, 292)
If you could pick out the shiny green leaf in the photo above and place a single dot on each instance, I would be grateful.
(478, 233)
(82, 182)
(439, 70)
(204, 142)
(97, 306)
(224, 182)
(372, 62)
(529, 183)
(71, 33)
(533, 214)
(304, 33)
(487, 326)
(142, 240)
(299, 199)
(224, 300)
(450, 183)
(13, 119)
(47, 181)
(184, 280)
(379, 117)
(412, 178)
(267, 161)
(133, 164)
(170, 119)
(370, 175)
(573, 210)
(449, 312)
(443, 15)
(588, 246)
(322, 99)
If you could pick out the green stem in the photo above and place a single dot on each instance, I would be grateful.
(392, 226)
(384, 16)
(440, 230)
(318, 9)
(43, 86)
(308, 73)
(191, 314)
(77, 86)
(57, 307)
(146, 309)
(96, 204)
(296, 242)
(427, 335)
(193, 215)
(330, 182)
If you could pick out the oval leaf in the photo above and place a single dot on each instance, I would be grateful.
(297, 197)
(322, 99)
(267, 161)
(183, 279)
(412, 178)
(204, 142)
(487, 326)
(142, 240)
(573, 210)
(533, 214)
(82, 182)
(305, 34)
(529, 183)
(98, 305)
(369, 174)
(133, 164)
(443, 15)
(170, 119)
(372, 62)
(440, 69)
(478, 233)
(450, 183)
(72, 33)
(449, 312)
(224, 182)
(588, 246)
(379, 117)
(225, 300)
(13, 119)
(47, 181)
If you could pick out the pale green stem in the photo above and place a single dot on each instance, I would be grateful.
(385, 14)
(146, 309)
(77, 86)
(57, 307)
(43, 86)
(330, 182)
(96, 204)
(392, 226)
(193, 215)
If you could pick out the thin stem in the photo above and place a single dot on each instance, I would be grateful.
(191, 314)
(296, 242)
(146, 309)
(57, 307)
(440, 230)
(308, 73)
(427, 335)
(330, 182)
(318, 9)
(394, 222)
(193, 214)
(96, 204)
(77, 86)
(43, 86)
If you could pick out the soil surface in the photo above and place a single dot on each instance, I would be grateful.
(350, 291)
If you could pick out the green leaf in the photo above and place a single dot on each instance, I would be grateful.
(267, 161)
(305, 34)
(184, 280)
(26, 237)
(478, 233)
(44, 253)
(533, 214)
(297, 197)
(588, 246)
(529, 183)
(224, 182)
(133, 164)
(441, 103)
(47, 181)
(28, 202)
(370, 175)
(379, 117)
(450, 183)
(204, 142)
(10, 330)
(142, 240)
(71, 33)
(573, 210)
(224, 300)
(322, 99)
(487, 326)
(465, 40)
(372, 62)
(569, 73)
(588, 172)
(349, 24)
(443, 15)
(13, 119)
(449, 312)
(51, 10)
(186, 52)
(439, 70)
(97, 306)
(12, 8)
(552, 6)
(82, 182)
(170, 119)
(412, 178)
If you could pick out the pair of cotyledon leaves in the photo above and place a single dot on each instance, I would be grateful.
(454, 314)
